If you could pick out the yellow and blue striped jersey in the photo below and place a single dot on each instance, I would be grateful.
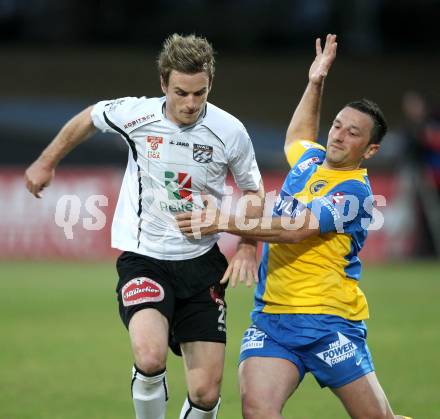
(320, 274)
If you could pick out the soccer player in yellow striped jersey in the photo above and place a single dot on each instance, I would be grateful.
(293, 277)
(309, 311)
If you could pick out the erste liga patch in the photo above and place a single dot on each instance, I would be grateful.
(141, 290)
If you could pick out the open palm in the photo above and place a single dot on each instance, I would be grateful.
(324, 59)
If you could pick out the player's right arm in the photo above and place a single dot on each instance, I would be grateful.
(304, 124)
(40, 173)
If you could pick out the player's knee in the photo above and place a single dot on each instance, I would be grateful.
(205, 395)
(253, 407)
(248, 410)
(149, 360)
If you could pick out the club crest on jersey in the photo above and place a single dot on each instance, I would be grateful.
(202, 153)
(141, 290)
(315, 187)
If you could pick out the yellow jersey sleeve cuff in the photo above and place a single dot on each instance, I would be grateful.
(298, 148)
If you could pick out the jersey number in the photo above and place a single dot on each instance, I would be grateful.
(221, 317)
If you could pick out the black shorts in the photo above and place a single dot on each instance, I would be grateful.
(186, 292)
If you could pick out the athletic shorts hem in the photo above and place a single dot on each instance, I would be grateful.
(140, 307)
(348, 380)
(202, 340)
(300, 368)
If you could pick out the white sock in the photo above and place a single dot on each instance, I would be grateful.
(190, 411)
(150, 394)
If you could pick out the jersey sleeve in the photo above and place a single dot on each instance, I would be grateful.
(242, 162)
(304, 151)
(108, 115)
(346, 208)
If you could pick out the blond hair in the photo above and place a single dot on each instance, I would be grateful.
(187, 54)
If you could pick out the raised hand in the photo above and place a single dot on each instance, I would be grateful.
(323, 60)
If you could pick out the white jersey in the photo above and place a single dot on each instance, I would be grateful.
(169, 168)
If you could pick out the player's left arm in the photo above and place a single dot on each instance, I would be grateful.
(304, 124)
(268, 229)
(243, 265)
(277, 229)
(345, 209)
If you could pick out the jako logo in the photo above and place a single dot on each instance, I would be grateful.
(178, 185)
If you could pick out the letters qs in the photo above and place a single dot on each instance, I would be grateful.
(67, 213)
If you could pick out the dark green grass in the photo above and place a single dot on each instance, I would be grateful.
(65, 355)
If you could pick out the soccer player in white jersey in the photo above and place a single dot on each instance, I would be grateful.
(309, 311)
(171, 288)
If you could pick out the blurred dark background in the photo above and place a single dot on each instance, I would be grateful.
(60, 56)
(366, 25)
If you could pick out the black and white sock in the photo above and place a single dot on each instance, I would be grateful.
(150, 394)
(191, 411)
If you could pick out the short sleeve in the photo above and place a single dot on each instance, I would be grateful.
(242, 162)
(304, 152)
(344, 209)
(108, 114)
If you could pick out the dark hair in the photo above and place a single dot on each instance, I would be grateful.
(370, 108)
(187, 54)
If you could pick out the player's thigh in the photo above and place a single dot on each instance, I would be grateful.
(364, 398)
(146, 306)
(203, 362)
(199, 329)
(149, 330)
(266, 383)
(269, 372)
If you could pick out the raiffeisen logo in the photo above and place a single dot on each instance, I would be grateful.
(338, 351)
(178, 186)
